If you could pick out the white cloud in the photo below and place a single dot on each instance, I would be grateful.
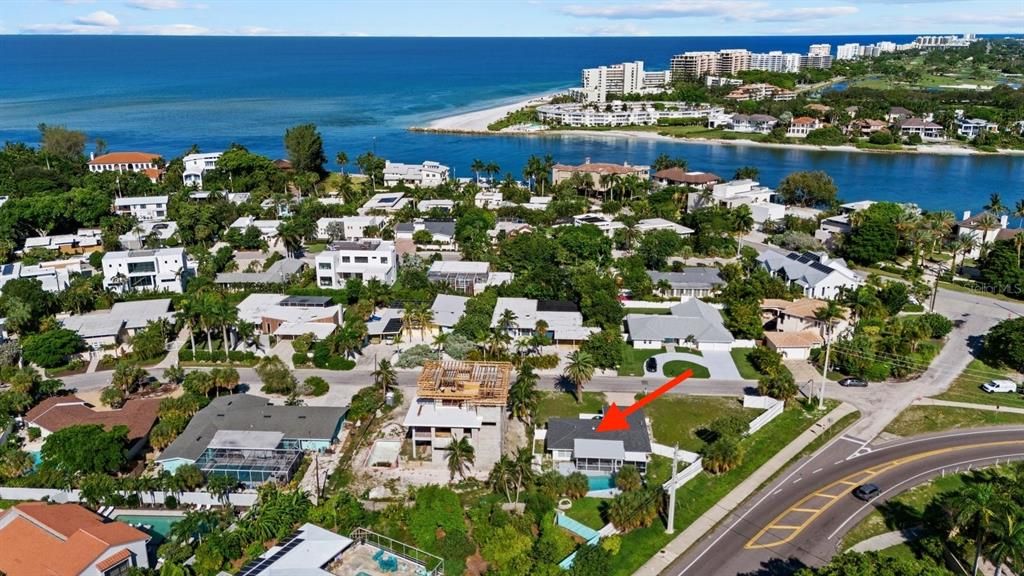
(626, 29)
(154, 4)
(746, 10)
(98, 18)
(1010, 20)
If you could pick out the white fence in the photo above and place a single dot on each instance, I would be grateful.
(684, 475)
(146, 498)
(627, 304)
(772, 408)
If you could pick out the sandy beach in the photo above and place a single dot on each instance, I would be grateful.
(476, 122)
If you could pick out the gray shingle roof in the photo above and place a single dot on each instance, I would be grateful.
(244, 412)
(278, 273)
(691, 318)
(563, 433)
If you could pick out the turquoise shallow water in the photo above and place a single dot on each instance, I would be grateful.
(163, 94)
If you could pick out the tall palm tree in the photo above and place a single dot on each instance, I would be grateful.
(477, 166)
(227, 317)
(974, 507)
(579, 371)
(385, 375)
(507, 321)
(461, 457)
(610, 182)
(1018, 211)
(995, 205)
(342, 159)
(492, 169)
(963, 244)
(986, 223)
(523, 396)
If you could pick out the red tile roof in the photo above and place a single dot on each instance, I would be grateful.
(683, 177)
(124, 158)
(600, 168)
(114, 559)
(59, 539)
(59, 412)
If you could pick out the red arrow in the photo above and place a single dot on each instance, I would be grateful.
(614, 419)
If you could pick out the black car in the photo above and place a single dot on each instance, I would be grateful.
(853, 383)
(651, 365)
(867, 492)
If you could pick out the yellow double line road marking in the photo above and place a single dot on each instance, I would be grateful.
(862, 476)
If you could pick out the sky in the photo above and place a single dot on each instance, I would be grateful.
(510, 17)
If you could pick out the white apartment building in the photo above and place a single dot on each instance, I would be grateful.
(820, 50)
(619, 113)
(816, 60)
(366, 260)
(165, 269)
(144, 208)
(775, 61)
(618, 79)
(730, 62)
(694, 64)
(353, 227)
(425, 175)
(196, 165)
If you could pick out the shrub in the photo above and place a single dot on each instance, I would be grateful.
(241, 356)
(416, 356)
(186, 356)
(722, 455)
(765, 360)
(876, 372)
(542, 362)
(34, 433)
(882, 138)
(729, 426)
(576, 485)
(938, 325)
(170, 502)
(298, 359)
(457, 346)
(612, 544)
(628, 478)
(315, 386)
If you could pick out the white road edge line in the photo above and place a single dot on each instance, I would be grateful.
(914, 477)
(756, 504)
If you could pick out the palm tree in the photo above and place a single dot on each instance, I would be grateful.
(609, 182)
(385, 375)
(342, 159)
(507, 321)
(477, 166)
(986, 223)
(492, 169)
(290, 238)
(461, 456)
(974, 507)
(579, 371)
(1018, 211)
(995, 205)
(227, 316)
(1008, 539)
(523, 396)
(963, 244)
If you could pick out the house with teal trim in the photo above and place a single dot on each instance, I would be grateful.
(248, 438)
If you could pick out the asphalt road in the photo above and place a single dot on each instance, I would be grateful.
(800, 519)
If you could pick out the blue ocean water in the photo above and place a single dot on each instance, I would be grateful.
(163, 94)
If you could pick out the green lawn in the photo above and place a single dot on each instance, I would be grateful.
(588, 512)
(922, 419)
(563, 405)
(633, 360)
(677, 367)
(677, 419)
(902, 511)
(967, 387)
(315, 247)
(747, 370)
(654, 311)
(704, 491)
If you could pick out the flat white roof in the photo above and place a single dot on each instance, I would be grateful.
(137, 200)
(246, 439)
(429, 415)
(459, 267)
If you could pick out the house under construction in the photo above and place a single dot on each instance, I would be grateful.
(456, 400)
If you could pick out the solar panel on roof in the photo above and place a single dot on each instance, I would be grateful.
(393, 326)
(556, 306)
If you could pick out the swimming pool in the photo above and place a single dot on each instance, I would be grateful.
(601, 482)
(160, 525)
(37, 459)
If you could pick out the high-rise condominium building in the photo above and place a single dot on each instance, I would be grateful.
(626, 78)
(820, 50)
(730, 62)
(694, 64)
(775, 61)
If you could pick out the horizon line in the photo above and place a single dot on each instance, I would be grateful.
(364, 36)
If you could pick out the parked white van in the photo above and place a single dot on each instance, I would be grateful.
(1000, 386)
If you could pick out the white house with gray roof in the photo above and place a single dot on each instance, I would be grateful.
(104, 328)
(563, 319)
(690, 323)
(426, 175)
(447, 310)
(442, 231)
(144, 208)
(164, 269)
(369, 259)
(575, 445)
(691, 282)
(819, 275)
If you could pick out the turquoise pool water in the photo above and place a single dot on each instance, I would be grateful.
(601, 482)
(37, 459)
(160, 525)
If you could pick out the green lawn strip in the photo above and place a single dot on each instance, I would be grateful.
(900, 551)
(902, 511)
(746, 369)
(633, 360)
(677, 419)
(704, 491)
(676, 367)
(563, 405)
(967, 387)
(315, 247)
(923, 419)
(588, 512)
(5, 504)
(655, 311)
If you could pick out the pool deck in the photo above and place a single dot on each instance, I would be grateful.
(358, 561)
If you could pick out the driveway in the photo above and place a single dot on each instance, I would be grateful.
(719, 363)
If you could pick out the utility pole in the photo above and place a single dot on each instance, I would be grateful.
(824, 369)
(670, 528)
